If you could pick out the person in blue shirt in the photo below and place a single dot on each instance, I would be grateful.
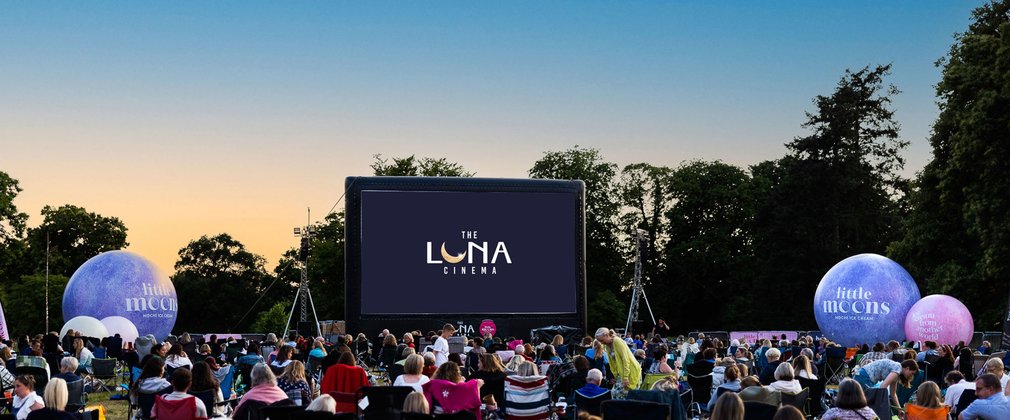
(929, 350)
(991, 403)
(592, 388)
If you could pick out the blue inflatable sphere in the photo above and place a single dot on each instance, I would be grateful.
(121, 283)
(864, 299)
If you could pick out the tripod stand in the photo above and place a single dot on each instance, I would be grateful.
(637, 290)
(303, 295)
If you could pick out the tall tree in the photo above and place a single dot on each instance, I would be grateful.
(75, 235)
(412, 166)
(709, 254)
(958, 233)
(217, 280)
(606, 267)
(643, 191)
(836, 194)
(13, 262)
(24, 304)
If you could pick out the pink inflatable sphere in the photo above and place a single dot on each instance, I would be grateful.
(939, 318)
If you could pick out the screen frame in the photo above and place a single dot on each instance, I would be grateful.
(514, 323)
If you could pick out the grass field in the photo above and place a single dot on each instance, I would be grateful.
(114, 410)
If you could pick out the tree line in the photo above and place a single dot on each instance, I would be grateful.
(728, 247)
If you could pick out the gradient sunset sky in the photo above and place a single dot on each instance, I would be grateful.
(189, 118)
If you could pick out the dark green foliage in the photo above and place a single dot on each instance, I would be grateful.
(217, 280)
(75, 235)
(958, 234)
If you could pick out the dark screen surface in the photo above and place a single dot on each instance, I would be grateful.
(519, 252)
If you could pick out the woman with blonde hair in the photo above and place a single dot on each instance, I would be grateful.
(802, 368)
(514, 363)
(83, 355)
(292, 381)
(412, 376)
(56, 398)
(324, 404)
(415, 403)
(729, 406)
(622, 361)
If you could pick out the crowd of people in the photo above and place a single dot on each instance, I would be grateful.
(187, 377)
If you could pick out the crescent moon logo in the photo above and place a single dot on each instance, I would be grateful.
(451, 259)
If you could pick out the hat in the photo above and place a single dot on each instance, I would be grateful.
(448, 327)
(212, 363)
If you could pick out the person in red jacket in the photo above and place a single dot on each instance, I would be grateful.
(344, 377)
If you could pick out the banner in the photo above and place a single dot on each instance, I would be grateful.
(3, 325)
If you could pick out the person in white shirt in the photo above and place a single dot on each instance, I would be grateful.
(955, 387)
(441, 346)
(785, 380)
(25, 399)
(412, 376)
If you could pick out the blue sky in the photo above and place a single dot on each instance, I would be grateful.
(186, 118)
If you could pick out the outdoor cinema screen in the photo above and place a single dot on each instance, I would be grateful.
(469, 252)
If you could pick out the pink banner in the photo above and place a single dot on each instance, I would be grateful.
(753, 336)
(3, 325)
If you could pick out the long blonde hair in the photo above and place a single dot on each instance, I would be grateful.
(597, 349)
(294, 372)
(728, 407)
(928, 395)
(415, 403)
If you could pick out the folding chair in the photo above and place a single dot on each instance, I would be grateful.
(834, 365)
(281, 412)
(587, 404)
(700, 379)
(639, 410)
(669, 397)
(967, 397)
(104, 370)
(816, 405)
(76, 397)
(527, 397)
(878, 400)
(651, 378)
(798, 400)
(753, 410)
(382, 398)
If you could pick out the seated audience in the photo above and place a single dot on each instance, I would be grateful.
(25, 400)
(729, 406)
(802, 367)
(293, 382)
(68, 367)
(203, 381)
(178, 403)
(767, 375)
(177, 358)
(850, 404)
(592, 388)
(264, 389)
(415, 403)
(731, 383)
(955, 387)
(412, 376)
(56, 398)
(785, 380)
(928, 404)
(991, 403)
(151, 380)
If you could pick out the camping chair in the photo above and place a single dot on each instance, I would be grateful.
(226, 385)
(639, 410)
(669, 397)
(753, 410)
(281, 412)
(878, 400)
(651, 378)
(850, 353)
(144, 402)
(700, 379)
(76, 397)
(834, 365)
(587, 404)
(528, 397)
(816, 402)
(344, 399)
(382, 399)
(967, 397)
(798, 400)
(920, 412)
(104, 370)
(184, 409)
(761, 394)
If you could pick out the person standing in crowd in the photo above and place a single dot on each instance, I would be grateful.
(441, 346)
(889, 373)
(990, 402)
(661, 329)
(622, 361)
